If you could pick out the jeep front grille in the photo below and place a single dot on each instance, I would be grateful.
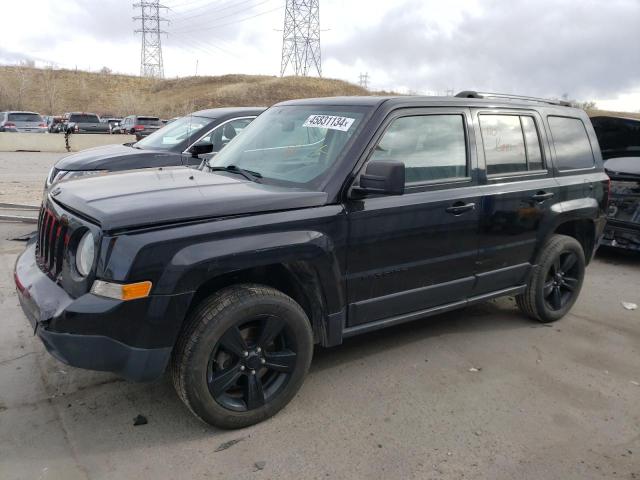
(51, 246)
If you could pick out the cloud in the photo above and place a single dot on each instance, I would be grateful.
(586, 49)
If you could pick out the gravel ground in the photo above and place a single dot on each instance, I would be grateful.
(481, 393)
(22, 175)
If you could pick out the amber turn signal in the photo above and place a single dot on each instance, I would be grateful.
(119, 291)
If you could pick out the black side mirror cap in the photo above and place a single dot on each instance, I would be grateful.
(200, 148)
(382, 177)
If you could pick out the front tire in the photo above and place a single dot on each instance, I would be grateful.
(556, 280)
(243, 355)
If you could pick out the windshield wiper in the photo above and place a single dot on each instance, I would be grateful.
(248, 174)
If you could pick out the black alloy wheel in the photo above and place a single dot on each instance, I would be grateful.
(555, 281)
(242, 356)
(251, 363)
(562, 282)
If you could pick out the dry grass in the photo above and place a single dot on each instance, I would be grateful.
(57, 91)
(50, 91)
(595, 113)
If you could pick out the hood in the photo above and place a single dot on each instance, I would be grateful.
(148, 197)
(623, 168)
(117, 157)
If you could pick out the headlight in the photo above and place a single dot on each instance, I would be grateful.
(71, 174)
(85, 254)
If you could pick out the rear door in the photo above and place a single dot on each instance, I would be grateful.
(411, 252)
(518, 192)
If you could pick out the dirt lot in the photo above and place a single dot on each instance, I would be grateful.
(481, 393)
(22, 175)
(559, 401)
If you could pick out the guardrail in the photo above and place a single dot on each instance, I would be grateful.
(14, 212)
(55, 142)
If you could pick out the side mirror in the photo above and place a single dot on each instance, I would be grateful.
(200, 148)
(385, 177)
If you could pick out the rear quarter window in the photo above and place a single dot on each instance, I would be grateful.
(571, 143)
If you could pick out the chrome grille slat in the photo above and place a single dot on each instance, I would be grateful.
(52, 243)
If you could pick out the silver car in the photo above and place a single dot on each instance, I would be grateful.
(14, 121)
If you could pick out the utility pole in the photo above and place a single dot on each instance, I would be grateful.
(364, 80)
(151, 52)
(301, 37)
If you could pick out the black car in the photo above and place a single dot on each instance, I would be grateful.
(114, 124)
(327, 218)
(619, 140)
(55, 124)
(140, 125)
(185, 141)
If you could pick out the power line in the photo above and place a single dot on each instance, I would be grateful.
(207, 25)
(240, 20)
(301, 37)
(194, 42)
(179, 5)
(183, 18)
(151, 52)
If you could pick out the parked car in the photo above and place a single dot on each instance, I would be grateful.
(141, 126)
(187, 141)
(81, 122)
(114, 125)
(619, 140)
(23, 122)
(327, 218)
(54, 124)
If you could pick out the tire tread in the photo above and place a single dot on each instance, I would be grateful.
(527, 301)
(198, 321)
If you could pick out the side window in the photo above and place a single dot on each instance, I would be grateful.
(532, 140)
(511, 144)
(227, 132)
(503, 141)
(573, 149)
(432, 147)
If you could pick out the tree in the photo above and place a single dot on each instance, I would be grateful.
(50, 88)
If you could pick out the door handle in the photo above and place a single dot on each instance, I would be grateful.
(542, 196)
(459, 208)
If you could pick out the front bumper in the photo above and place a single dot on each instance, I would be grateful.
(621, 237)
(47, 306)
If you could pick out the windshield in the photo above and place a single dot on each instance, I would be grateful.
(25, 117)
(84, 118)
(175, 135)
(292, 144)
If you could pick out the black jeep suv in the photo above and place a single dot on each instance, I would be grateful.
(325, 219)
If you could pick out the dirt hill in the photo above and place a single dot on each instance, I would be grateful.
(50, 91)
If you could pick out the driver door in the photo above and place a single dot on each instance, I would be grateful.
(411, 253)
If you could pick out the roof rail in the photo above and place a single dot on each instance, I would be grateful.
(474, 94)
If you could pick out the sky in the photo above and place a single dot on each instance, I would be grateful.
(587, 50)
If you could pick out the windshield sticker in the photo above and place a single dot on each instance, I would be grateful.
(332, 122)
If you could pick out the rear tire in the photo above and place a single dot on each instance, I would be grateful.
(556, 280)
(243, 355)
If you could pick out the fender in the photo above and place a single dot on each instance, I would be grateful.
(304, 252)
(581, 209)
(310, 243)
